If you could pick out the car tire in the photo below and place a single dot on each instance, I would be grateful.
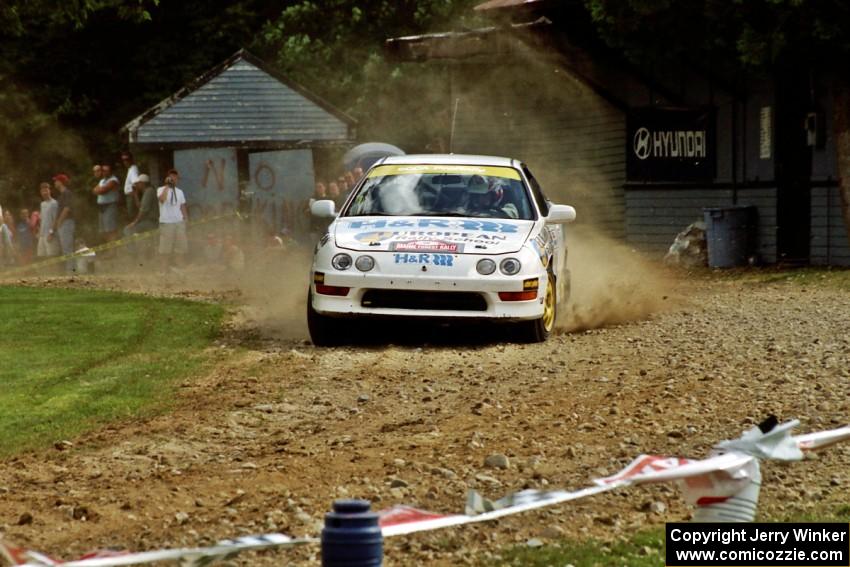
(538, 330)
(324, 331)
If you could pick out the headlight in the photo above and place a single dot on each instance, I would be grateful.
(485, 266)
(365, 263)
(341, 262)
(510, 266)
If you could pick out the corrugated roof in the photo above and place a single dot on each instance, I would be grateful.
(241, 101)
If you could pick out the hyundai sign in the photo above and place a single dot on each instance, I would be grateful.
(670, 145)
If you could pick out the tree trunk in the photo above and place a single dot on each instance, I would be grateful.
(841, 128)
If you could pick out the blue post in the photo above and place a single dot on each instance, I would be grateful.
(351, 536)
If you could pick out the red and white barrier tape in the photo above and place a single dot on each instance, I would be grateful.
(188, 557)
(713, 484)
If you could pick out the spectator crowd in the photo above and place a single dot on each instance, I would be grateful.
(127, 207)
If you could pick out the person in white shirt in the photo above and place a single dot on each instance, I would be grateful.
(132, 176)
(48, 242)
(172, 220)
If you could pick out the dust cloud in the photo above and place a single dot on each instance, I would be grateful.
(275, 296)
(573, 140)
(611, 283)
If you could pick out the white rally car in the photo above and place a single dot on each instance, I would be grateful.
(445, 237)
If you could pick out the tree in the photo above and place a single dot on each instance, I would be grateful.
(336, 48)
(73, 73)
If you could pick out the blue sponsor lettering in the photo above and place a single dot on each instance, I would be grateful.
(488, 226)
(476, 225)
(368, 224)
(435, 259)
(436, 223)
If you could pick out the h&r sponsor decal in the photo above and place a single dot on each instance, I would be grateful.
(434, 259)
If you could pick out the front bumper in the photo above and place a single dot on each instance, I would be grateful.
(466, 297)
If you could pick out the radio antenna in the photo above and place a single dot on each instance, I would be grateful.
(454, 119)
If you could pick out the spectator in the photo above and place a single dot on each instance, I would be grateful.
(333, 191)
(172, 220)
(232, 255)
(130, 195)
(343, 186)
(48, 244)
(317, 225)
(8, 256)
(97, 175)
(12, 228)
(107, 191)
(35, 222)
(358, 173)
(147, 216)
(64, 226)
(24, 239)
(212, 248)
(349, 180)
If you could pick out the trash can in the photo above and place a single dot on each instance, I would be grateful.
(729, 233)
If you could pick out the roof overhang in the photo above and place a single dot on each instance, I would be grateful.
(497, 4)
(492, 42)
(132, 126)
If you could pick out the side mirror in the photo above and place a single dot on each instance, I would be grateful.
(323, 209)
(561, 214)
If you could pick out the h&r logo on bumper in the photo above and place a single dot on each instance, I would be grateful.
(433, 259)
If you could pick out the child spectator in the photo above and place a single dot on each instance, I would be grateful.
(24, 237)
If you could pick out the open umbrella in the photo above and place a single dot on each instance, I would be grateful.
(365, 155)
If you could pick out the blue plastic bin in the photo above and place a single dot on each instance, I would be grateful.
(729, 234)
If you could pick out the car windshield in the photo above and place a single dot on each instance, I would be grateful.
(442, 190)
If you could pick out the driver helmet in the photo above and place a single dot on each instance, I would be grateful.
(478, 187)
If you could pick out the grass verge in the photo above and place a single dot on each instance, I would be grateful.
(71, 360)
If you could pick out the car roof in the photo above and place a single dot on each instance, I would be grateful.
(453, 159)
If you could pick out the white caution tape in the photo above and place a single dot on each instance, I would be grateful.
(401, 520)
(821, 439)
(106, 246)
(725, 487)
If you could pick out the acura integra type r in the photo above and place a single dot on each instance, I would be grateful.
(445, 237)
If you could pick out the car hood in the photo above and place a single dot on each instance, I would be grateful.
(431, 234)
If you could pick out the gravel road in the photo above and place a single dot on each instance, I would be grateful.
(278, 429)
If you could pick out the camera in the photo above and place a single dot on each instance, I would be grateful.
(169, 181)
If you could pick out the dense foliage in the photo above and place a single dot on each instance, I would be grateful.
(73, 73)
(756, 33)
(71, 77)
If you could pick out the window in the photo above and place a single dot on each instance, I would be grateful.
(537, 191)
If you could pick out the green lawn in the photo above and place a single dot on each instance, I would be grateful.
(71, 360)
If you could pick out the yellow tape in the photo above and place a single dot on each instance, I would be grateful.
(491, 171)
(106, 246)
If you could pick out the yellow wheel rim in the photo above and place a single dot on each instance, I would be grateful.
(549, 305)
